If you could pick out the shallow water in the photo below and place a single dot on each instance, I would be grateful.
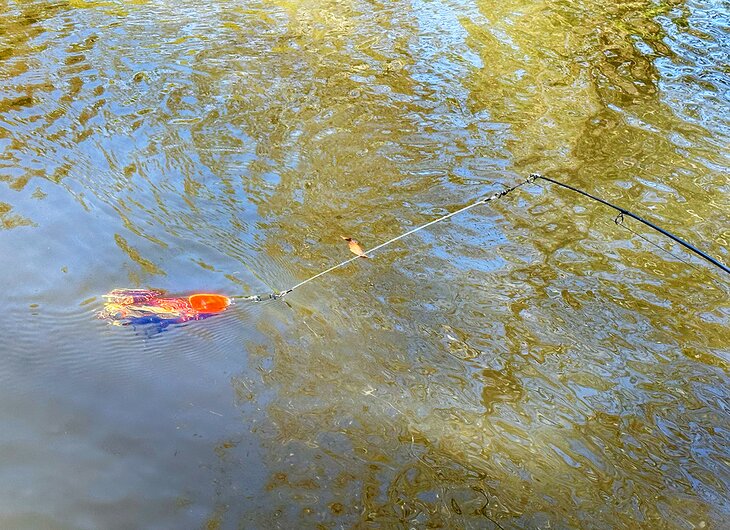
(528, 364)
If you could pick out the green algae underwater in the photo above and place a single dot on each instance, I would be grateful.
(526, 365)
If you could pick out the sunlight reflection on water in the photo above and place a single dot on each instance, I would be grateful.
(525, 365)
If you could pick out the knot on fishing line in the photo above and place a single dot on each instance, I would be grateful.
(268, 296)
(494, 196)
(532, 178)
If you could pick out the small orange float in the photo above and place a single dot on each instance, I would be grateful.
(209, 303)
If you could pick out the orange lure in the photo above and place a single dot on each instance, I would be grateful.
(147, 306)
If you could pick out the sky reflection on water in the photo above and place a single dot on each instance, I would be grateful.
(525, 365)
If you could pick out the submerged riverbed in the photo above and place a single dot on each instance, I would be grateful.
(529, 364)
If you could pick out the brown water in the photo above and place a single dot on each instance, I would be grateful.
(526, 365)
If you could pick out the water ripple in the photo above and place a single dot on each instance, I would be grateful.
(529, 364)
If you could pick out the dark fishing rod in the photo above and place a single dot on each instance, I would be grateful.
(624, 211)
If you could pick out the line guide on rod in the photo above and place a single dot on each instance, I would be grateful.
(624, 211)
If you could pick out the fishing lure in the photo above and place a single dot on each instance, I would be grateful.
(152, 306)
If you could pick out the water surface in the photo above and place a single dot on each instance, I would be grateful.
(529, 364)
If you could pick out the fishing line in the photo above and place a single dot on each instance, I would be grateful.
(274, 295)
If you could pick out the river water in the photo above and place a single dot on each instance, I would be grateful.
(528, 364)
